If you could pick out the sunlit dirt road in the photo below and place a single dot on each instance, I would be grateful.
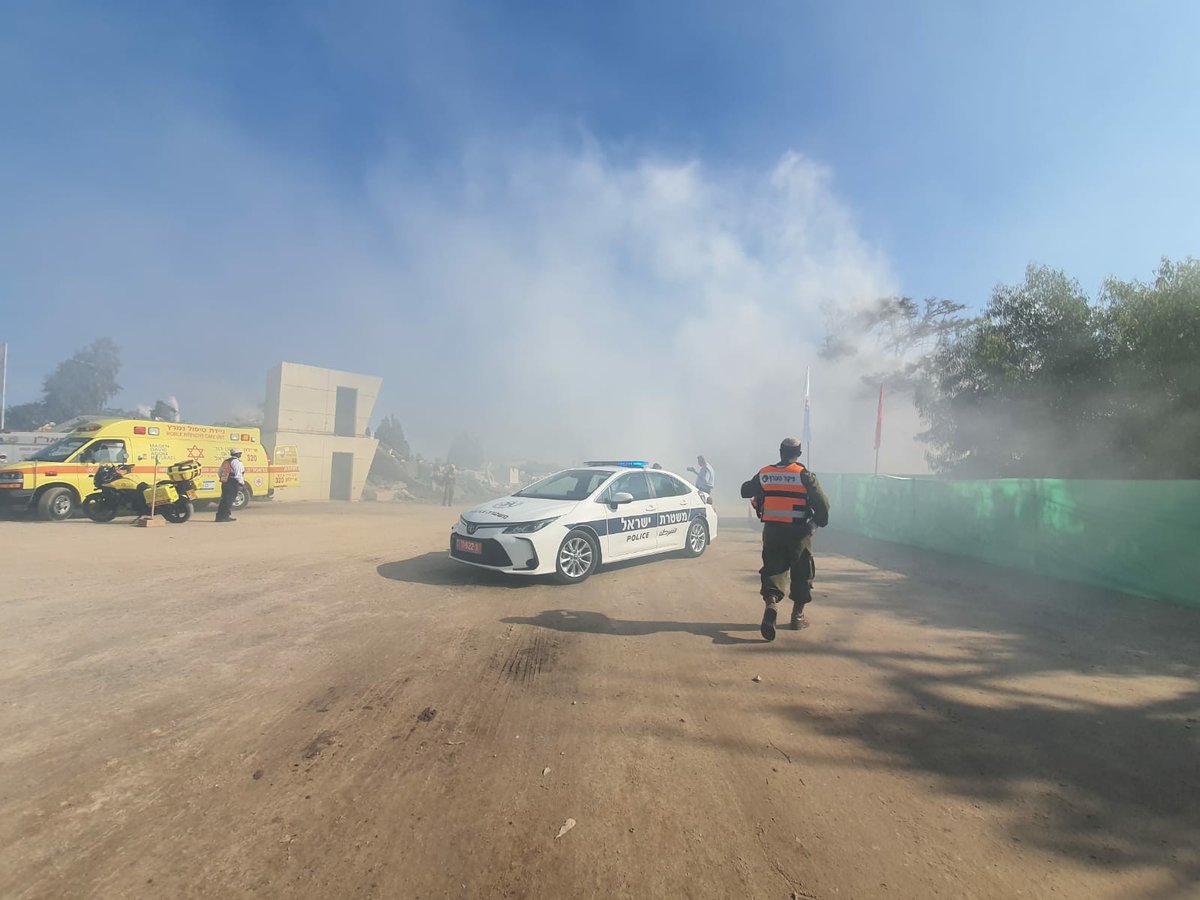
(315, 703)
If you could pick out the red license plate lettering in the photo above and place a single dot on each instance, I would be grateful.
(468, 546)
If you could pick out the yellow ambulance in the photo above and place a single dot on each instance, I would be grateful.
(55, 479)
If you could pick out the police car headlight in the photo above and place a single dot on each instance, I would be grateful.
(527, 527)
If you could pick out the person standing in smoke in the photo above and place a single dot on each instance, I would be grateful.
(449, 478)
(789, 501)
(706, 478)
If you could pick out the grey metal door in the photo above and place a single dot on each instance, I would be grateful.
(341, 476)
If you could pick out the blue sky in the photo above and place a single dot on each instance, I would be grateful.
(179, 150)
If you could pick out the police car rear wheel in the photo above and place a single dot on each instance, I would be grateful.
(697, 538)
(577, 557)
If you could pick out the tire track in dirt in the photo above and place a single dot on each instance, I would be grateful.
(391, 753)
(530, 658)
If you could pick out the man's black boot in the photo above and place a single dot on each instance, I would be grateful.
(767, 630)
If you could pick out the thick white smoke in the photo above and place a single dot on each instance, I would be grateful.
(558, 297)
(592, 304)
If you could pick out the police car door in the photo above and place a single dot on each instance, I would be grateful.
(674, 501)
(632, 527)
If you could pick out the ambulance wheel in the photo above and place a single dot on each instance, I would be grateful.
(178, 512)
(241, 499)
(697, 538)
(578, 556)
(100, 509)
(56, 504)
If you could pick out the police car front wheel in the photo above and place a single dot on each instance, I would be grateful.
(697, 538)
(578, 556)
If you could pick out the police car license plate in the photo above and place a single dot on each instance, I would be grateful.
(468, 546)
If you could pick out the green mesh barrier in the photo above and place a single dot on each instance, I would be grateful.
(1140, 537)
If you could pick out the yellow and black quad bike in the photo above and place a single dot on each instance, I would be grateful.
(117, 493)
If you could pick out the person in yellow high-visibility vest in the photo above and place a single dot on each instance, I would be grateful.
(789, 501)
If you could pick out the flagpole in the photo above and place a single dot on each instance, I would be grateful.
(807, 435)
(878, 429)
(3, 382)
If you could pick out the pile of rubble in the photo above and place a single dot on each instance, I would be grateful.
(424, 482)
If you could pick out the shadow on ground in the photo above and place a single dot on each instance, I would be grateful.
(1079, 708)
(1105, 783)
(1044, 620)
(599, 623)
(438, 570)
(1076, 709)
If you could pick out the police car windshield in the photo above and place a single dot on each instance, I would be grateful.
(573, 484)
(59, 451)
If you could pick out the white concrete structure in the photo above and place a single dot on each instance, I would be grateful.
(323, 413)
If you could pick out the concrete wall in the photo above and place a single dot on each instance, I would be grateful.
(301, 410)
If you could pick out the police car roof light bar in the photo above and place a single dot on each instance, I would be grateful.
(623, 463)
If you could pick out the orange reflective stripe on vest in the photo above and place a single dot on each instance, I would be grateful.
(785, 497)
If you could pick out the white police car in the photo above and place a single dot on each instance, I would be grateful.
(569, 523)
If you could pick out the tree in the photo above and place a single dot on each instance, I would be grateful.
(1151, 335)
(391, 435)
(26, 416)
(897, 324)
(1022, 391)
(897, 336)
(84, 383)
(81, 385)
(1049, 384)
(466, 452)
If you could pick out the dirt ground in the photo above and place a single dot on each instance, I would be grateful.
(316, 703)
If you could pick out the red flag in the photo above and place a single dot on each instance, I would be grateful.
(879, 420)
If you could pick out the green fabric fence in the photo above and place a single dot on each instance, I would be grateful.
(1140, 537)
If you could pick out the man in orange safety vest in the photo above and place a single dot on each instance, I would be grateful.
(789, 501)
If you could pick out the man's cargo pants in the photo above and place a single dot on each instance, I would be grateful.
(788, 568)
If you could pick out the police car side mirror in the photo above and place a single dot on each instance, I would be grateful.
(620, 499)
